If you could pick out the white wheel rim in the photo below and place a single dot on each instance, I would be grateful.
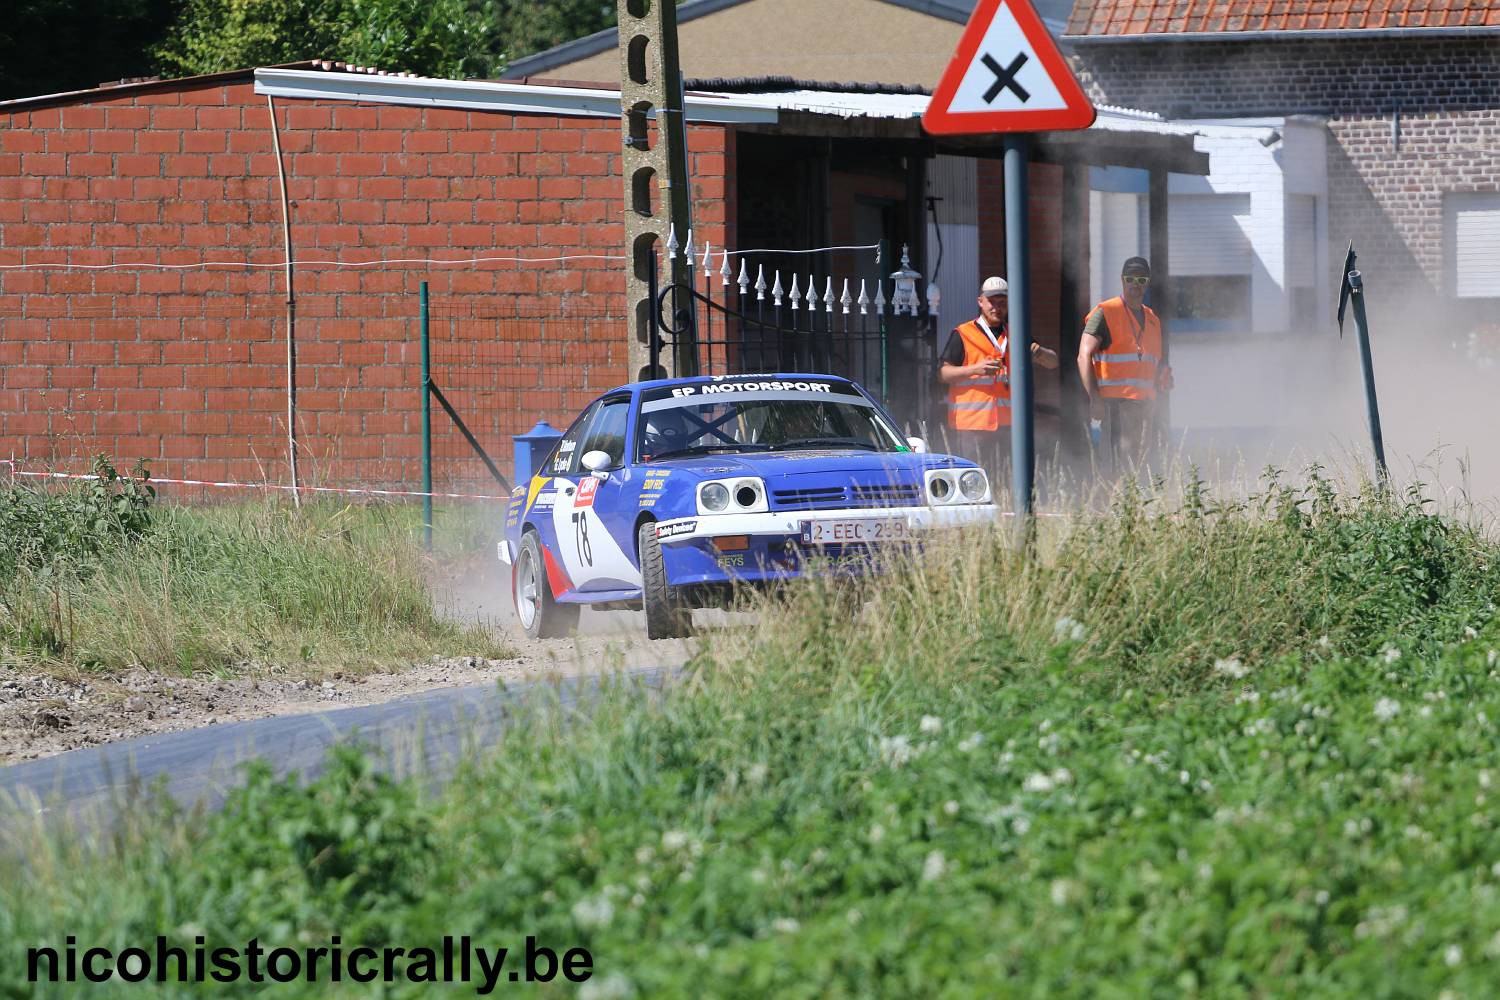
(528, 600)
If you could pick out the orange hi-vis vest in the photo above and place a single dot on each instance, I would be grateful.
(981, 404)
(1126, 369)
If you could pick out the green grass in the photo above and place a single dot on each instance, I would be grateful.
(97, 582)
(1238, 751)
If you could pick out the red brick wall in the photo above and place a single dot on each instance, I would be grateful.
(187, 368)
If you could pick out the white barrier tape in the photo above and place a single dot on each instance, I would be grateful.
(326, 489)
(264, 486)
(150, 265)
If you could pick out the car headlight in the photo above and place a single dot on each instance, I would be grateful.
(940, 488)
(714, 497)
(972, 485)
(741, 495)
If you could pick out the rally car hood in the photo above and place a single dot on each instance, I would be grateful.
(820, 461)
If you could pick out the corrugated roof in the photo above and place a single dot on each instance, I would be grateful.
(147, 85)
(1148, 17)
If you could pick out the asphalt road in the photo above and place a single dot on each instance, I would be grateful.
(423, 734)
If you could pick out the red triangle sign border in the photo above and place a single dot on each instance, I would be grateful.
(1078, 112)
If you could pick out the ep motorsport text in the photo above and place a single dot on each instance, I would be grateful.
(455, 961)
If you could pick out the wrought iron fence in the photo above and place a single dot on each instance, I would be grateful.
(744, 316)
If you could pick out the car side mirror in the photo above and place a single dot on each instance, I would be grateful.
(917, 445)
(597, 462)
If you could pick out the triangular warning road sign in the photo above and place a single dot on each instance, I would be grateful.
(1007, 76)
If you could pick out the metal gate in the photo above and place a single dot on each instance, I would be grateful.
(745, 316)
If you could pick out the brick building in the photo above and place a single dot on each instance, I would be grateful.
(115, 336)
(1407, 94)
(187, 367)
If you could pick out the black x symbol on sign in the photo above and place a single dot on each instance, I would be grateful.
(1005, 78)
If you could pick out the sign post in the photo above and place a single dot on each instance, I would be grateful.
(1007, 76)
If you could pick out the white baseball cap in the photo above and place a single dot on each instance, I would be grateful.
(994, 286)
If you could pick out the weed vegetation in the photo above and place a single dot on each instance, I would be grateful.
(101, 576)
(1222, 750)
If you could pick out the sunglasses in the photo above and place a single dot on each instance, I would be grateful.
(1136, 279)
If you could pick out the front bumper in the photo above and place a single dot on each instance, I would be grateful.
(681, 530)
(775, 551)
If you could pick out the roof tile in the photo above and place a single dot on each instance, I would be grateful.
(1113, 17)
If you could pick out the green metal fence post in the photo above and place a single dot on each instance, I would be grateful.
(426, 422)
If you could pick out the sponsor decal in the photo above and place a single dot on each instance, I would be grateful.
(533, 493)
(715, 387)
(649, 500)
(673, 530)
(587, 487)
(564, 456)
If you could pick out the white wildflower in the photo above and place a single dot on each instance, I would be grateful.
(1205, 871)
(1484, 779)
(1020, 825)
(1325, 643)
(1062, 890)
(934, 866)
(1453, 956)
(593, 911)
(643, 855)
(637, 901)
(1067, 629)
(612, 986)
(1037, 782)
(1231, 668)
(1321, 898)
(1470, 632)
(896, 750)
(785, 925)
(950, 807)
(758, 876)
(1247, 697)
(930, 724)
(1493, 948)
(1062, 776)
(877, 833)
(756, 774)
(1481, 718)
(674, 840)
(1390, 653)
(971, 742)
(854, 916)
(1425, 711)
(1387, 709)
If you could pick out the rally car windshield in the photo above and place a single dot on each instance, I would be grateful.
(772, 420)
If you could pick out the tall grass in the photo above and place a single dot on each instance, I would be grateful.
(241, 586)
(1237, 751)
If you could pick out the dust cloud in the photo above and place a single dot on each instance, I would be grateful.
(1296, 400)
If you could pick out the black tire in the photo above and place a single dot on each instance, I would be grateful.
(666, 618)
(540, 615)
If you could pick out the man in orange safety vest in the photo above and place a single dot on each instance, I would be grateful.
(1120, 363)
(975, 366)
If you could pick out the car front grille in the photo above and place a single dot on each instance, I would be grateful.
(831, 497)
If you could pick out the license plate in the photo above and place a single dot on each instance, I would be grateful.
(855, 530)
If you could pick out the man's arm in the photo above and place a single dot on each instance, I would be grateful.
(949, 374)
(1044, 356)
(1095, 339)
(953, 368)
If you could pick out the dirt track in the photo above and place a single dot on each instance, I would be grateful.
(43, 715)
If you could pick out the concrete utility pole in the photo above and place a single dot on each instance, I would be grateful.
(656, 188)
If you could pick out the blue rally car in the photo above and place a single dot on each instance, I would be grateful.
(667, 494)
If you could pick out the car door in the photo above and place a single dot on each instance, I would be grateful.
(586, 521)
